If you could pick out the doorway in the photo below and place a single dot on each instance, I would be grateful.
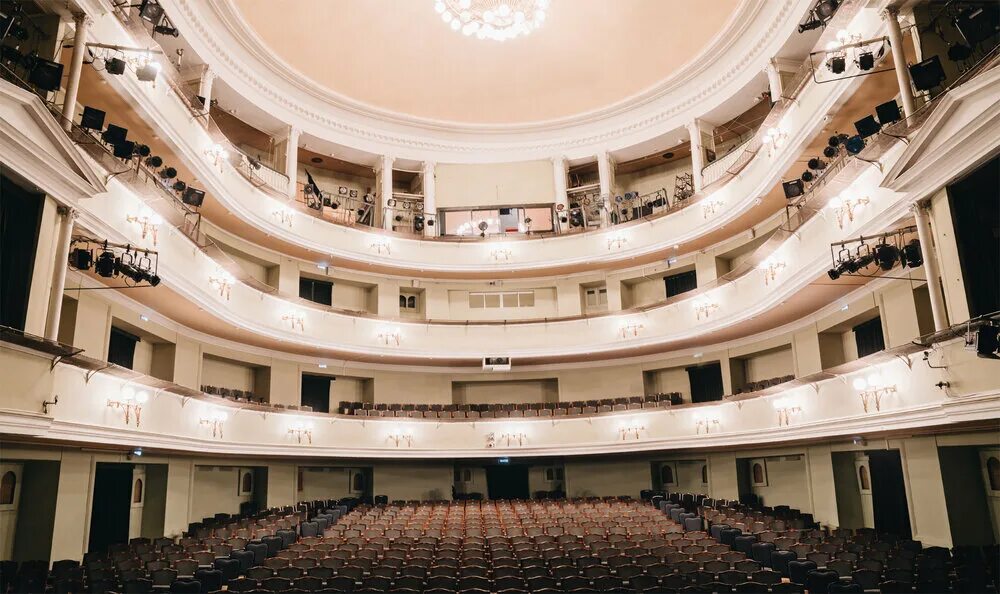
(109, 517)
(892, 514)
(507, 481)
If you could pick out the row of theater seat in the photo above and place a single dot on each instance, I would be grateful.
(536, 409)
(763, 384)
(249, 397)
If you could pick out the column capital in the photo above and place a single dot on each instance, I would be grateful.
(890, 12)
(207, 73)
(82, 18)
(67, 211)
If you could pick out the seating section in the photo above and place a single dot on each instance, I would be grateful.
(484, 411)
(249, 397)
(763, 384)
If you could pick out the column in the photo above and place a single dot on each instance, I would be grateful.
(177, 508)
(73, 501)
(292, 159)
(388, 299)
(606, 171)
(722, 476)
(59, 272)
(430, 201)
(385, 190)
(899, 59)
(925, 491)
(773, 80)
(205, 87)
(822, 487)
(75, 69)
(282, 483)
(807, 352)
(931, 270)
(562, 197)
(697, 153)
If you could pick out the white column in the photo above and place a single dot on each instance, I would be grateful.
(931, 270)
(606, 172)
(430, 201)
(899, 59)
(562, 197)
(59, 272)
(697, 153)
(773, 80)
(385, 190)
(292, 159)
(205, 86)
(75, 69)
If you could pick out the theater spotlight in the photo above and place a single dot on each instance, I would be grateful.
(816, 164)
(854, 145)
(81, 259)
(151, 11)
(418, 223)
(911, 256)
(124, 150)
(792, 188)
(114, 134)
(115, 66)
(864, 257)
(866, 60)
(886, 255)
(810, 25)
(830, 152)
(166, 30)
(825, 9)
(168, 173)
(105, 265)
(179, 186)
(155, 161)
(141, 150)
(837, 64)
(807, 176)
(193, 196)
(147, 72)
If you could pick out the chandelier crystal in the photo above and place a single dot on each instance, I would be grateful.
(493, 19)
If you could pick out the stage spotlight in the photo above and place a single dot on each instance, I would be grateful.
(807, 176)
(833, 273)
(886, 255)
(81, 259)
(151, 11)
(147, 72)
(155, 161)
(978, 23)
(124, 150)
(792, 188)
(92, 119)
(863, 260)
(959, 52)
(193, 196)
(816, 164)
(179, 186)
(418, 223)
(866, 60)
(854, 145)
(105, 265)
(124, 266)
(888, 112)
(810, 25)
(576, 218)
(928, 74)
(830, 152)
(168, 173)
(166, 30)
(911, 255)
(141, 150)
(867, 126)
(115, 66)
(825, 9)
(837, 64)
(114, 134)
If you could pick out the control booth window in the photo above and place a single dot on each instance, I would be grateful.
(505, 300)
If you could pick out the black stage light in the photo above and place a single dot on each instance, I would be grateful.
(851, 265)
(837, 64)
(830, 152)
(854, 145)
(115, 66)
(864, 257)
(92, 119)
(142, 150)
(816, 164)
(193, 196)
(978, 23)
(987, 342)
(833, 141)
(867, 126)
(81, 259)
(179, 186)
(114, 134)
(807, 176)
(166, 30)
(927, 74)
(147, 72)
(959, 52)
(155, 161)
(888, 112)
(125, 267)
(886, 255)
(418, 223)
(576, 218)
(46, 74)
(833, 273)
(826, 8)
(911, 255)
(168, 173)
(105, 265)
(792, 188)
(810, 25)
(866, 60)
(124, 150)
(151, 11)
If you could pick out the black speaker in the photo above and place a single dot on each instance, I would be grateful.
(888, 112)
(92, 119)
(793, 188)
(867, 126)
(46, 74)
(124, 149)
(927, 74)
(193, 196)
(114, 134)
(854, 145)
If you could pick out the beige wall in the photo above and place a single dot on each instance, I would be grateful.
(215, 490)
(771, 364)
(787, 482)
(408, 481)
(502, 392)
(227, 374)
(603, 478)
(494, 184)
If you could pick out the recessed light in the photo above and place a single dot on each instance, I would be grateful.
(322, 365)
(698, 355)
(317, 159)
(676, 246)
(144, 317)
(844, 307)
(672, 260)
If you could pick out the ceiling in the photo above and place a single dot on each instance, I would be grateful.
(400, 57)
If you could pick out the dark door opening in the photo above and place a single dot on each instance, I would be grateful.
(892, 514)
(507, 481)
(112, 503)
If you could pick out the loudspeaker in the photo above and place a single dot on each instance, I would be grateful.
(92, 119)
(114, 134)
(793, 188)
(927, 74)
(888, 112)
(193, 196)
(867, 126)
(46, 74)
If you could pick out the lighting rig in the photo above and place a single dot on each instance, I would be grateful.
(889, 249)
(136, 267)
(819, 15)
(115, 59)
(849, 57)
(18, 63)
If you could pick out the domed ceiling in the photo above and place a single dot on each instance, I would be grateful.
(399, 56)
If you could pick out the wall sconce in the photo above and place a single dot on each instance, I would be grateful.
(223, 282)
(380, 246)
(216, 420)
(770, 269)
(300, 431)
(217, 154)
(705, 423)
(844, 208)
(786, 408)
(131, 404)
(710, 208)
(509, 438)
(398, 438)
(295, 319)
(774, 139)
(501, 255)
(390, 337)
(704, 308)
(630, 431)
(873, 389)
(149, 222)
(617, 242)
(283, 215)
(630, 329)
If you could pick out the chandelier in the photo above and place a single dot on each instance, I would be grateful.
(493, 19)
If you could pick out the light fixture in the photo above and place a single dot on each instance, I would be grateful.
(705, 423)
(223, 282)
(500, 255)
(301, 430)
(630, 329)
(510, 438)
(493, 19)
(704, 308)
(217, 154)
(390, 337)
(775, 138)
(785, 408)
(770, 269)
(398, 438)
(284, 216)
(215, 421)
(872, 389)
(630, 431)
(617, 242)
(148, 71)
(295, 319)
(845, 208)
(130, 403)
(711, 207)
(149, 222)
(381, 246)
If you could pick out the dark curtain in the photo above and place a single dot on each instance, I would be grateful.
(316, 392)
(868, 336)
(706, 382)
(316, 291)
(681, 282)
(20, 218)
(121, 347)
(507, 481)
(892, 514)
(112, 505)
(975, 212)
